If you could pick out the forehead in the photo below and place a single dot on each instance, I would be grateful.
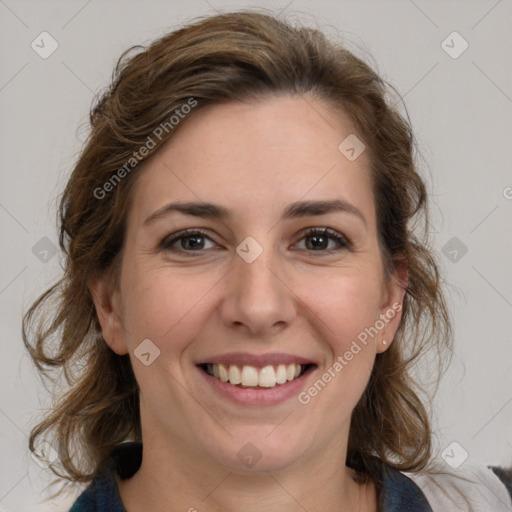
(256, 156)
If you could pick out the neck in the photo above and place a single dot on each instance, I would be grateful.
(173, 478)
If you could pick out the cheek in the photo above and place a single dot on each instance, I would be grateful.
(164, 307)
(348, 311)
(344, 305)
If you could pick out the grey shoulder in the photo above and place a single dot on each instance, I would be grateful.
(469, 488)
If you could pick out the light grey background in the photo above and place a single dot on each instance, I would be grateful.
(461, 112)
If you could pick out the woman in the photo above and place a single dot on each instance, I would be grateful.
(244, 296)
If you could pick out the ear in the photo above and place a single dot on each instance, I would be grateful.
(392, 304)
(106, 297)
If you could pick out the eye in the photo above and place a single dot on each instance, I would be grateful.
(192, 240)
(320, 239)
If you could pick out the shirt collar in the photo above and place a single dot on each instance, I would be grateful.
(401, 493)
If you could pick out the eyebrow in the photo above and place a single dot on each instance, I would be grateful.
(292, 211)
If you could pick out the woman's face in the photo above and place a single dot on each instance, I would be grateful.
(253, 289)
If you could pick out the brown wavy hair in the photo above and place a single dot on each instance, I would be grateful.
(238, 56)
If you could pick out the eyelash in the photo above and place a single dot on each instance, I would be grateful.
(344, 243)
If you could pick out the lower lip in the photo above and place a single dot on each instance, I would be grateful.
(258, 396)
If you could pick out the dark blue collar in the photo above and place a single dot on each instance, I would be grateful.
(400, 493)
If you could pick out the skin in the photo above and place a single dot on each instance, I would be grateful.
(254, 159)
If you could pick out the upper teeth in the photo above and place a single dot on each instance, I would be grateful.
(266, 377)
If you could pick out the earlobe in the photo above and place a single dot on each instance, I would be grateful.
(108, 309)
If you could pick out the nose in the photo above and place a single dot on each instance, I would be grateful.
(258, 299)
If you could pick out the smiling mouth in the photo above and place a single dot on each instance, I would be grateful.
(252, 377)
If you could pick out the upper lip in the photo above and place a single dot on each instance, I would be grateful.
(259, 360)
